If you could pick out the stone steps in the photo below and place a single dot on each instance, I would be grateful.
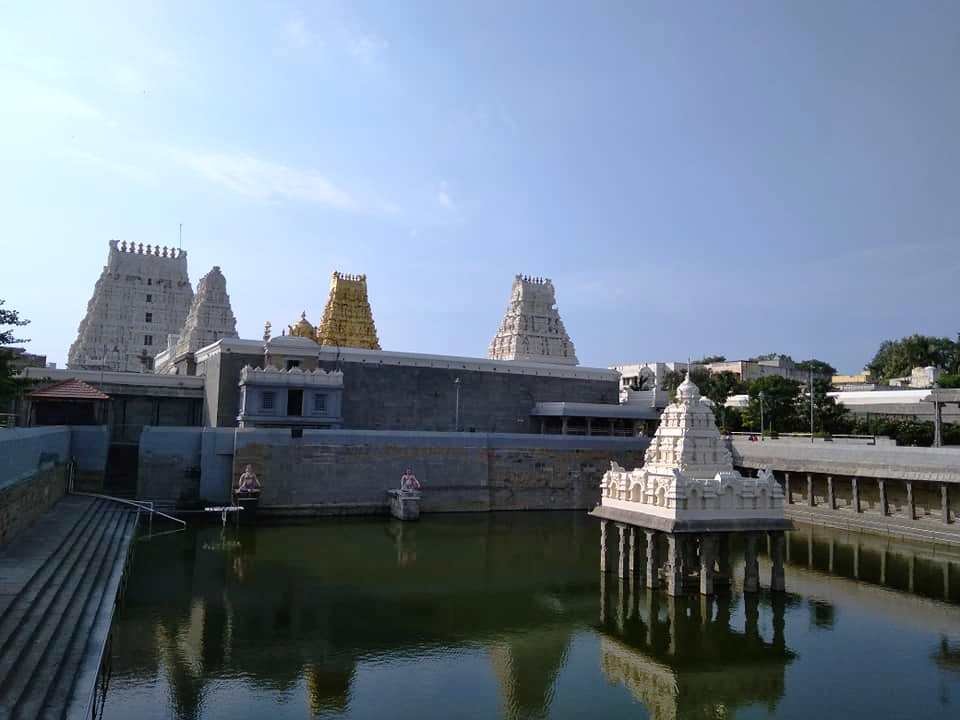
(62, 577)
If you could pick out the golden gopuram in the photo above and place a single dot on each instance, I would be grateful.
(347, 318)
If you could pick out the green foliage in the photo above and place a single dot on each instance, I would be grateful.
(11, 319)
(829, 417)
(949, 380)
(671, 381)
(780, 397)
(905, 431)
(770, 356)
(819, 367)
(896, 358)
(711, 359)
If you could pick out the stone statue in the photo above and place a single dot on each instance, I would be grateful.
(249, 482)
(409, 482)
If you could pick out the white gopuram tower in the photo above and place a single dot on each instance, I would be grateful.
(210, 318)
(689, 491)
(531, 328)
(142, 295)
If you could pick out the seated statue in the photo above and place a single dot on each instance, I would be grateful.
(249, 483)
(409, 482)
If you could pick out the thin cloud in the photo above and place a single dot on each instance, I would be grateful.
(297, 35)
(125, 170)
(24, 95)
(263, 180)
(368, 48)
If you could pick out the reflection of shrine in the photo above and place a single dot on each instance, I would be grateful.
(680, 656)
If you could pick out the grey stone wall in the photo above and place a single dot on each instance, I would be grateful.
(397, 397)
(169, 465)
(32, 475)
(23, 502)
(350, 471)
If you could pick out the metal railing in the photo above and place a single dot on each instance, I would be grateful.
(141, 505)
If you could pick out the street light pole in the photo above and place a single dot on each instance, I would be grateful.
(761, 416)
(456, 422)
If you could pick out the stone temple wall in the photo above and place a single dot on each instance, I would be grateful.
(394, 397)
(332, 472)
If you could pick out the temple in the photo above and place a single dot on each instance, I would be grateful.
(531, 328)
(347, 319)
(210, 318)
(142, 295)
(688, 494)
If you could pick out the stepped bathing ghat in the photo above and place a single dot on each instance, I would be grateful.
(689, 493)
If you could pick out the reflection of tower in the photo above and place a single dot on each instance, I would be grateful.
(526, 667)
(328, 687)
(686, 662)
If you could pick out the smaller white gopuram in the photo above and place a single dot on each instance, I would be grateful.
(689, 491)
(531, 328)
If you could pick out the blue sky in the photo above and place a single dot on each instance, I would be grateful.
(731, 178)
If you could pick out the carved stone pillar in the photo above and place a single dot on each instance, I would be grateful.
(751, 567)
(855, 494)
(622, 551)
(911, 506)
(674, 565)
(603, 545)
(708, 556)
(945, 502)
(831, 500)
(883, 496)
(637, 558)
(653, 560)
(724, 575)
(777, 583)
(786, 489)
(810, 500)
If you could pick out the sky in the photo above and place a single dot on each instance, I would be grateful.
(697, 178)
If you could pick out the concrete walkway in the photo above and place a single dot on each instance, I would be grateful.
(59, 582)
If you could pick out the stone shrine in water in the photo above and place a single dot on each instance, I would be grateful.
(688, 492)
(531, 328)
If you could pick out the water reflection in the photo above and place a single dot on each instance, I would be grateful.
(494, 614)
(683, 657)
(925, 570)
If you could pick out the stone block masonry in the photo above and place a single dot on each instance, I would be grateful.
(32, 475)
(339, 471)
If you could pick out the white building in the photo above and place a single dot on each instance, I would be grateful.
(142, 295)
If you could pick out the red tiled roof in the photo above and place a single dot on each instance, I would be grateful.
(71, 389)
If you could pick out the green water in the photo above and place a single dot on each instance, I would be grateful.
(505, 615)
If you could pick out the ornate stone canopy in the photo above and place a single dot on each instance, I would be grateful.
(688, 472)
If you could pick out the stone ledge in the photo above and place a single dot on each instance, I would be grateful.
(670, 525)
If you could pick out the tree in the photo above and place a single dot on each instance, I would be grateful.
(828, 415)
(819, 367)
(9, 319)
(896, 358)
(949, 380)
(780, 397)
(711, 359)
(717, 387)
(671, 381)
